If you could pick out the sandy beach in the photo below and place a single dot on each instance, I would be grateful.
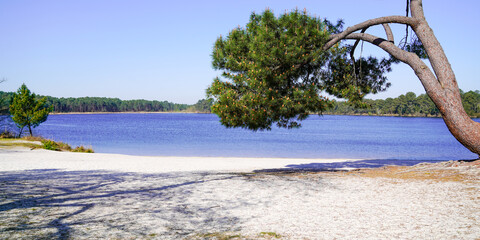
(60, 195)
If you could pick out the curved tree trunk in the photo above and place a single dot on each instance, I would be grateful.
(447, 96)
(462, 127)
(440, 85)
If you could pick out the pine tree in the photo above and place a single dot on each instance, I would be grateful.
(27, 110)
(275, 68)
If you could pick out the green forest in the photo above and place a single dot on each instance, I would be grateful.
(404, 105)
(102, 104)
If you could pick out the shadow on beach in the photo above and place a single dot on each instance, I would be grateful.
(58, 204)
(52, 204)
(345, 166)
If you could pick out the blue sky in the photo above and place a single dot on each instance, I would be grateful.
(160, 50)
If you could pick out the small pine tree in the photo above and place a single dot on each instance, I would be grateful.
(27, 110)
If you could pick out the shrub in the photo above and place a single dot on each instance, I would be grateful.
(58, 146)
(51, 145)
(83, 149)
(7, 134)
(55, 146)
(64, 146)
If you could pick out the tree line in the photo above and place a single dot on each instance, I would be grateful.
(406, 105)
(101, 104)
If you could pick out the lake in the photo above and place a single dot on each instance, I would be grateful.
(172, 134)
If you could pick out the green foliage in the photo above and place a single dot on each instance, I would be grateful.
(102, 104)
(471, 103)
(407, 105)
(6, 98)
(27, 110)
(51, 145)
(60, 146)
(3, 106)
(275, 68)
(202, 106)
(416, 46)
(353, 81)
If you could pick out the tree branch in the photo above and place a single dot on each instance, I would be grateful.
(423, 72)
(416, 9)
(439, 61)
(352, 53)
(355, 46)
(380, 42)
(388, 31)
(372, 22)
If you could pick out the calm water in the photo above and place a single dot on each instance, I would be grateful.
(202, 135)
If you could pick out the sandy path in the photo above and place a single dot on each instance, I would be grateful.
(152, 199)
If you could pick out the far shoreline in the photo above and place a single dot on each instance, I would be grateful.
(142, 112)
(187, 112)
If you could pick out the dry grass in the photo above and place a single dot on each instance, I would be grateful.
(456, 171)
(411, 173)
(7, 142)
(39, 142)
(33, 138)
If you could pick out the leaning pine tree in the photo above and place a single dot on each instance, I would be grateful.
(275, 69)
(27, 110)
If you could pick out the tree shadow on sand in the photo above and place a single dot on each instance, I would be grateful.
(343, 166)
(48, 203)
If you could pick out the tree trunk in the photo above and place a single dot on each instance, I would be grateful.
(445, 94)
(462, 127)
(30, 130)
(440, 85)
(20, 133)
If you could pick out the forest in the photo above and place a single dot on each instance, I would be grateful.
(404, 105)
(102, 104)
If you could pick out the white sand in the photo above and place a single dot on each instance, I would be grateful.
(44, 159)
(46, 194)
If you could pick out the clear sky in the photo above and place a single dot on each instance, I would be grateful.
(160, 50)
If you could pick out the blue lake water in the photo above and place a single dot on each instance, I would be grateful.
(365, 137)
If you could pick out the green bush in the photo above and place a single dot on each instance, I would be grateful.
(55, 146)
(51, 145)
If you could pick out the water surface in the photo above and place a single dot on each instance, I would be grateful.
(326, 136)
